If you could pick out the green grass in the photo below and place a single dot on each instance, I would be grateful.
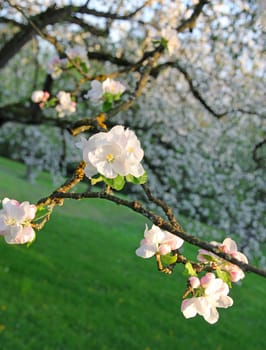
(81, 286)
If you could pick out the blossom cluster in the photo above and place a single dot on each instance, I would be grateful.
(15, 221)
(65, 105)
(107, 91)
(112, 153)
(57, 65)
(230, 248)
(208, 292)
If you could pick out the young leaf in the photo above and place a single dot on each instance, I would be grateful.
(208, 257)
(84, 67)
(189, 269)
(107, 105)
(50, 103)
(164, 43)
(41, 213)
(117, 183)
(168, 259)
(137, 180)
(94, 181)
(224, 275)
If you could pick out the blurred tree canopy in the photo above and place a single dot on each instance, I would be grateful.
(198, 108)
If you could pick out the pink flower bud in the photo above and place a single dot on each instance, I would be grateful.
(205, 280)
(194, 282)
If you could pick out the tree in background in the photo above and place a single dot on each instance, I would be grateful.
(186, 76)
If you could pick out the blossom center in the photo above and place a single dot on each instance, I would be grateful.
(110, 157)
(10, 221)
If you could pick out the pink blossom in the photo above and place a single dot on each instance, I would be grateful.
(157, 241)
(194, 282)
(15, 221)
(40, 96)
(229, 247)
(212, 295)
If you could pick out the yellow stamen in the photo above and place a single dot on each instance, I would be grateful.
(110, 157)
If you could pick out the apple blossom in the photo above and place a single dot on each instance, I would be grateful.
(229, 247)
(15, 221)
(77, 52)
(157, 241)
(113, 87)
(194, 282)
(170, 35)
(117, 152)
(55, 65)
(66, 106)
(96, 91)
(109, 86)
(211, 293)
(40, 96)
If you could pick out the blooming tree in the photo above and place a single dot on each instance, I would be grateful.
(148, 95)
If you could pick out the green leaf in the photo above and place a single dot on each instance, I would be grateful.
(95, 180)
(50, 103)
(69, 65)
(84, 67)
(108, 97)
(208, 257)
(164, 43)
(107, 105)
(168, 259)
(156, 42)
(137, 180)
(41, 213)
(224, 275)
(189, 269)
(117, 183)
(117, 97)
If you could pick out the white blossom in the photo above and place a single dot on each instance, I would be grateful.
(113, 87)
(55, 66)
(158, 241)
(96, 91)
(66, 106)
(109, 86)
(39, 96)
(173, 43)
(117, 152)
(15, 221)
(77, 52)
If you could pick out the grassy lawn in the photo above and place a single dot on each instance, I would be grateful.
(81, 286)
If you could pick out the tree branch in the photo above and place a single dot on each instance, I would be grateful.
(190, 82)
(136, 206)
(255, 150)
(190, 23)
